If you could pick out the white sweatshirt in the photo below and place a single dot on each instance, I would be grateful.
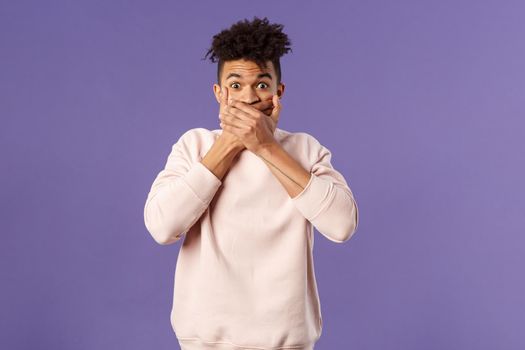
(244, 277)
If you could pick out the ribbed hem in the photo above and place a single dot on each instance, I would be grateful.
(199, 344)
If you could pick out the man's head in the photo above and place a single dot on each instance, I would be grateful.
(248, 55)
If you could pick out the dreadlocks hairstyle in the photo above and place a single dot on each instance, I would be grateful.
(258, 41)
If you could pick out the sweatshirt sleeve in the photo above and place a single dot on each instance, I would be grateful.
(180, 193)
(327, 201)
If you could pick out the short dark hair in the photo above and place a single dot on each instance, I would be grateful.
(258, 41)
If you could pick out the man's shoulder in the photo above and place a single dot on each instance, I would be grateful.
(196, 133)
(195, 141)
(304, 146)
(298, 138)
(197, 137)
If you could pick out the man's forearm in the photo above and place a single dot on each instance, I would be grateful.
(220, 157)
(286, 169)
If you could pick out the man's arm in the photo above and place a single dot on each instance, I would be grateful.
(321, 195)
(285, 168)
(220, 156)
(183, 190)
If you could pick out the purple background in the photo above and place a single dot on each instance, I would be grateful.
(421, 103)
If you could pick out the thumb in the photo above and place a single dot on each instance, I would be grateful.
(223, 99)
(224, 95)
(276, 108)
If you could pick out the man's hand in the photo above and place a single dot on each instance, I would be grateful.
(251, 126)
(265, 106)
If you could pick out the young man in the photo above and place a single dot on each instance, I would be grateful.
(246, 198)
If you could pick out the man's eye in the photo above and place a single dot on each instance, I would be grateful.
(265, 85)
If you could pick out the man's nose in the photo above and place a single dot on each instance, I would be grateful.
(250, 97)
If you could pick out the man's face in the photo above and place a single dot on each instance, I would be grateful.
(246, 82)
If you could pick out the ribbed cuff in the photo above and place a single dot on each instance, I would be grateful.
(314, 197)
(203, 183)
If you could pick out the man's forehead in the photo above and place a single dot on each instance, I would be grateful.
(247, 69)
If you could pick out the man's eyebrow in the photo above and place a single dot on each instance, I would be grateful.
(262, 75)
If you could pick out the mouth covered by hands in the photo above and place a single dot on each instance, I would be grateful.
(253, 125)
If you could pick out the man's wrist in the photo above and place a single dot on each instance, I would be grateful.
(268, 148)
(231, 147)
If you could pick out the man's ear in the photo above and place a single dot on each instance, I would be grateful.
(280, 90)
(217, 92)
